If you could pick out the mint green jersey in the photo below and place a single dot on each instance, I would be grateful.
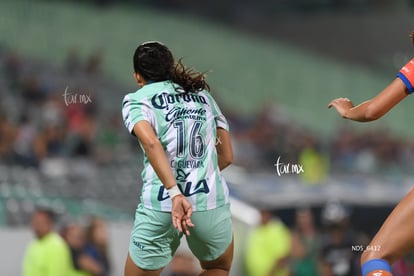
(186, 125)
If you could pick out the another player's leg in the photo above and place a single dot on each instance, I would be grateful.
(394, 240)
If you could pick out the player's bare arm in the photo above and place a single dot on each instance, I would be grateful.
(374, 108)
(224, 148)
(181, 209)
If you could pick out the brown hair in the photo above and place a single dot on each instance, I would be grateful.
(189, 79)
(155, 62)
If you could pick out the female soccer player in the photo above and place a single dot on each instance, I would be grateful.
(395, 238)
(186, 144)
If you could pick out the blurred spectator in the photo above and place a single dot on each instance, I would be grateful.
(314, 162)
(81, 118)
(52, 111)
(94, 62)
(13, 69)
(268, 248)
(305, 245)
(404, 266)
(337, 256)
(343, 150)
(33, 90)
(48, 255)
(108, 139)
(24, 142)
(83, 264)
(82, 127)
(50, 142)
(8, 133)
(73, 63)
(50, 148)
(97, 245)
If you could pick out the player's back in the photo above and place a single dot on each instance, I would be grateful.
(185, 124)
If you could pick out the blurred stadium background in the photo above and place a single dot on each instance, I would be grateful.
(273, 67)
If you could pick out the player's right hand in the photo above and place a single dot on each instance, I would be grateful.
(181, 214)
(342, 105)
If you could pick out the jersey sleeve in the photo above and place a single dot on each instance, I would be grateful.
(220, 119)
(406, 74)
(134, 111)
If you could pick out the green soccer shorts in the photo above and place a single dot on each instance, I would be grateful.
(154, 239)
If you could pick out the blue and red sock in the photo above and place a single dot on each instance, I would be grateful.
(376, 267)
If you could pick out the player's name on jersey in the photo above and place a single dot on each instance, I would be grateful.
(190, 164)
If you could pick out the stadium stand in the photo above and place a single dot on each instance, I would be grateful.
(37, 74)
(47, 51)
(252, 68)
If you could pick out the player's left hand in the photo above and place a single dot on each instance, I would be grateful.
(342, 105)
(181, 214)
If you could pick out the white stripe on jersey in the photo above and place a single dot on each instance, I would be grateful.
(147, 193)
(211, 200)
(159, 104)
(126, 114)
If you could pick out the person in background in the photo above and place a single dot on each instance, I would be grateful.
(395, 237)
(73, 61)
(83, 264)
(8, 134)
(23, 144)
(50, 142)
(48, 254)
(305, 245)
(108, 140)
(268, 248)
(97, 244)
(314, 161)
(337, 257)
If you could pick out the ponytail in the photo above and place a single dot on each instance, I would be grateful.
(189, 79)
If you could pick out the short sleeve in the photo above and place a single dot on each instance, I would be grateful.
(134, 111)
(220, 119)
(406, 74)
